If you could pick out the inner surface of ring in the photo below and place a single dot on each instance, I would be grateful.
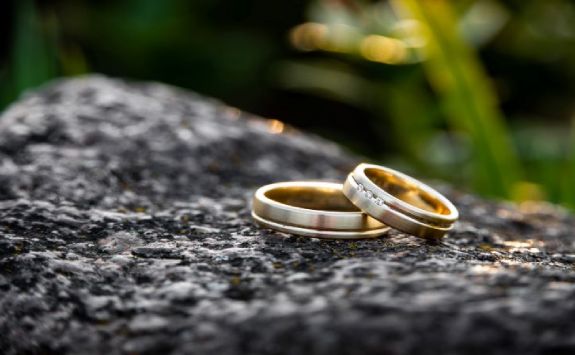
(313, 198)
(405, 191)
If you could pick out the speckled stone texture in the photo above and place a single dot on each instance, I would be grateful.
(125, 228)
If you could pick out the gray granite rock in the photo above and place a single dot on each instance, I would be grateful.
(125, 228)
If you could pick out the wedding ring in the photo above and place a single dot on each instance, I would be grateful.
(400, 201)
(313, 209)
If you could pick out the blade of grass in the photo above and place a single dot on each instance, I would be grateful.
(33, 59)
(464, 89)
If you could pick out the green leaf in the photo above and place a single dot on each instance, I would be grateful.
(466, 95)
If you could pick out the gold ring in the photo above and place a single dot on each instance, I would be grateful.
(400, 201)
(313, 209)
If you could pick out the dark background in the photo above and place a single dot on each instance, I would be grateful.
(240, 51)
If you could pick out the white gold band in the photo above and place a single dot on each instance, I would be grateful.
(312, 208)
(400, 201)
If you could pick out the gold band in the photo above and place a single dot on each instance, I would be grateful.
(314, 209)
(400, 201)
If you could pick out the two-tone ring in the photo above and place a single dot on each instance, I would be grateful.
(400, 201)
(313, 209)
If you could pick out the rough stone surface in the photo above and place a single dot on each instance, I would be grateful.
(125, 228)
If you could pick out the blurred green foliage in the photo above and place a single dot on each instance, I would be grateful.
(465, 93)
(477, 92)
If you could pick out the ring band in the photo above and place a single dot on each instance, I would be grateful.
(400, 201)
(313, 209)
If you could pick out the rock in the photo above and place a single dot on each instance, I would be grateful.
(125, 228)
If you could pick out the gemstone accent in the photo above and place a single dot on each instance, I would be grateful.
(370, 195)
